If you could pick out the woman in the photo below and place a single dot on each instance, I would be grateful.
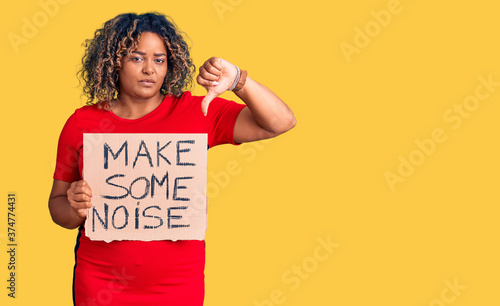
(134, 72)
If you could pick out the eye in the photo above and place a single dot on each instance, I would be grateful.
(136, 59)
(160, 60)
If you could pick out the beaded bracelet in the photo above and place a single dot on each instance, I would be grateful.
(236, 80)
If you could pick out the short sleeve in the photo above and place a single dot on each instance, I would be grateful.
(68, 152)
(222, 115)
(220, 119)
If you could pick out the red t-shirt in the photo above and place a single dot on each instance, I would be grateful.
(139, 272)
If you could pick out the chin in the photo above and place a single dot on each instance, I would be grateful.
(147, 95)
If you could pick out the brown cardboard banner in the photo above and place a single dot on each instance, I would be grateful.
(146, 186)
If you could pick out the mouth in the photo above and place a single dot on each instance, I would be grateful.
(147, 82)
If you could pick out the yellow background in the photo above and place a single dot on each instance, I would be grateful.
(325, 178)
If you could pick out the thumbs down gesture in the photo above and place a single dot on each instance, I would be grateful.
(216, 76)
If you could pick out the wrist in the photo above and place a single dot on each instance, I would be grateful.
(250, 86)
(236, 79)
(239, 80)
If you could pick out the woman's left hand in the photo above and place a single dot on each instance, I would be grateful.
(216, 75)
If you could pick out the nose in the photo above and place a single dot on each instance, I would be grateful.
(148, 68)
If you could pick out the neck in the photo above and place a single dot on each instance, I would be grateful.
(128, 108)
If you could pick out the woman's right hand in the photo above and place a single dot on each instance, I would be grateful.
(79, 196)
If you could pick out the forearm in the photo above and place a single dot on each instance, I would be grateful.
(62, 213)
(267, 109)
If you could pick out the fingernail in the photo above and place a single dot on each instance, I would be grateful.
(215, 83)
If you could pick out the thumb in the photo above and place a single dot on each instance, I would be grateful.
(211, 94)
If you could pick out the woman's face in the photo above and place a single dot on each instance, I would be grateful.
(143, 72)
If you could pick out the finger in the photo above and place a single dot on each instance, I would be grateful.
(81, 183)
(81, 187)
(80, 205)
(87, 186)
(209, 68)
(216, 62)
(206, 83)
(211, 94)
(81, 190)
(208, 76)
(82, 213)
(81, 210)
(79, 200)
(80, 197)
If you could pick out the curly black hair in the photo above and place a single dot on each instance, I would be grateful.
(118, 38)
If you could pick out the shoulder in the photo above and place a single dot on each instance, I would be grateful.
(191, 103)
(89, 110)
(188, 98)
(73, 122)
(89, 117)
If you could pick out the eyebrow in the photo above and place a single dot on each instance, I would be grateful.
(144, 53)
